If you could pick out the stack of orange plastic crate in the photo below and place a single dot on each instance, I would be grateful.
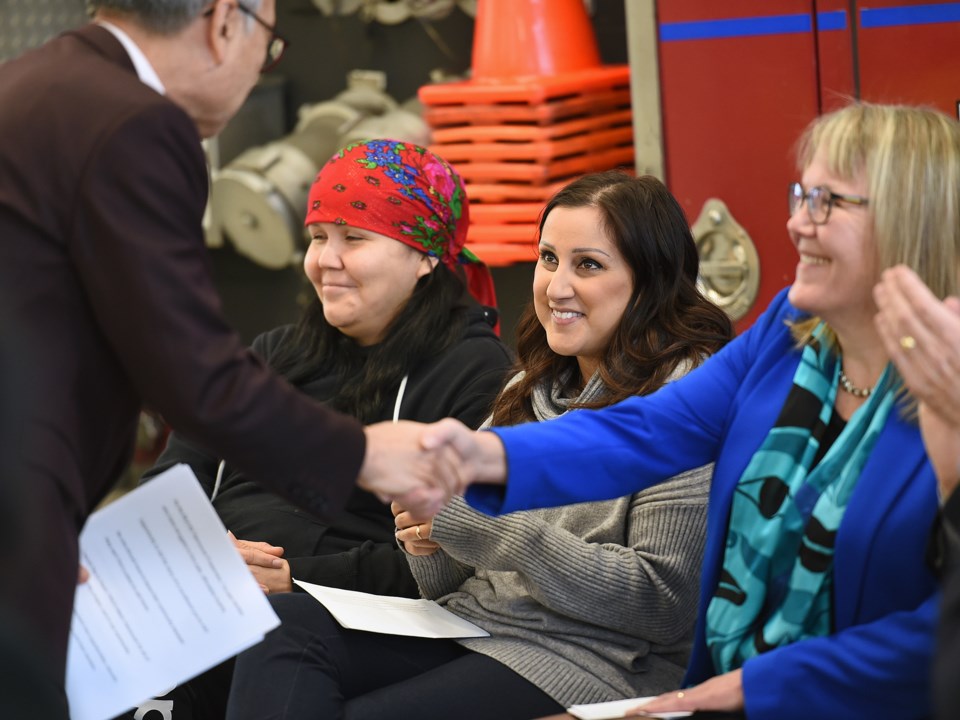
(517, 136)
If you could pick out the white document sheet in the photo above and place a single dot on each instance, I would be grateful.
(391, 615)
(619, 709)
(168, 598)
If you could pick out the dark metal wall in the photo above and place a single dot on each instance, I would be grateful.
(323, 49)
(27, 23)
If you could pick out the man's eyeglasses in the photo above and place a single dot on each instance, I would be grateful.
(276, 46)
(819, 201)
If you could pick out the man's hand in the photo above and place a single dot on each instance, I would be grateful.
(397, 467)
(479, 456)
(423, 466)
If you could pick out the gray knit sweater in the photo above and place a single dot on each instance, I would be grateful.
(589, 602)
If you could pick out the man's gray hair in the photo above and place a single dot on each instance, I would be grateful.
(163, 16)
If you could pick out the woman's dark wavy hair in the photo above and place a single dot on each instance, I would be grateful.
(667, 321)
(431, 321)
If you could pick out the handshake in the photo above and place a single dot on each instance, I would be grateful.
(421, 467)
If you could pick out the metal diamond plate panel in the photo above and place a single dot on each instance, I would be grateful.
(27, 23)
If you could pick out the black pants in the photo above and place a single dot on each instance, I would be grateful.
(310, 667)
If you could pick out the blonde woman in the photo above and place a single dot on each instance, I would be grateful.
(815, 598)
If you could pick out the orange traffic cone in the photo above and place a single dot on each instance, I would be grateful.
(539, 37)
(539, 110)
(530, 52)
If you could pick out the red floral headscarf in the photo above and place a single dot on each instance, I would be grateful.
(405, 192)
(397, 189)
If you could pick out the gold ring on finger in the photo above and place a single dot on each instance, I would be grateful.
(419, 537)
(908, 342)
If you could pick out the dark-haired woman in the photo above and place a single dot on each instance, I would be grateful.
(582, 604)
(390, 334)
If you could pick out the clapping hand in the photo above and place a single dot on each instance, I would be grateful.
(921, 334)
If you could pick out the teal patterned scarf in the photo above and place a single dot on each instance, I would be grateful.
(775, 585)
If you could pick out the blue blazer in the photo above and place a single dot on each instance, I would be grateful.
(876, 663)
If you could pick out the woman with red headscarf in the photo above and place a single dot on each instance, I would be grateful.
(389, 333)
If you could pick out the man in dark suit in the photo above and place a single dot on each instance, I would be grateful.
(107, 300)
